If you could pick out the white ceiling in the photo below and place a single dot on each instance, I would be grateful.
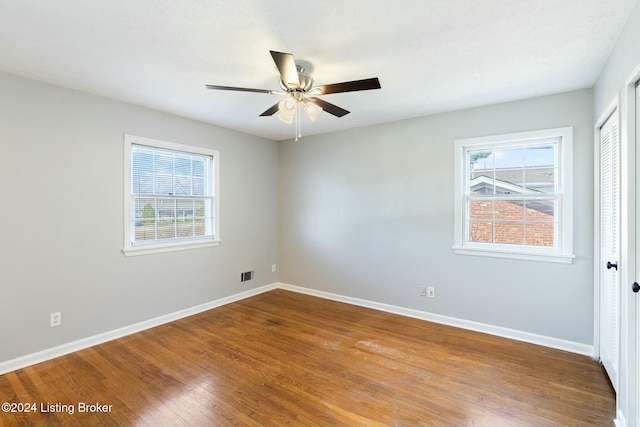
(430, 55)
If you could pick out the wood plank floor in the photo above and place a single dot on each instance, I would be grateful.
(283, 358)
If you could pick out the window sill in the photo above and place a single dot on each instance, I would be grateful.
(161, 248)
(526, 256)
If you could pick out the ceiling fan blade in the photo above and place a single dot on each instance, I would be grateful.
(271, 111)
(365, 84)
(330, 108)
(239, 89)
(287, 68)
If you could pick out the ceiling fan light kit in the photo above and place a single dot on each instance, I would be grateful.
(298, 88)
(287, 111)
(312, 109)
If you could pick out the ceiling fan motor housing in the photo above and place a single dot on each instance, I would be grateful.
(306, 82)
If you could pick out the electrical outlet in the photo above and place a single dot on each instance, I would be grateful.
(423, 291)
(431, 292)
(56, 319)
(273, 268)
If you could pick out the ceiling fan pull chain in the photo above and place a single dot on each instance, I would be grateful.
(298, 133)
(299, 120)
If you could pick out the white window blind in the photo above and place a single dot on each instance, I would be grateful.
(171, 194)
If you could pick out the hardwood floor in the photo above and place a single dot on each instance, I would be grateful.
(283, 358)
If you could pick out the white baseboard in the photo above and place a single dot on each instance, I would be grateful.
(573, 347)
(620, 420)
(61, 350)
(50, 353)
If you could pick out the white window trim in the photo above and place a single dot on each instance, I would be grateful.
(564, 251)
(158, 247)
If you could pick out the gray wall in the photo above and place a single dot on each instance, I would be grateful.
(61, 210)
(368, 213)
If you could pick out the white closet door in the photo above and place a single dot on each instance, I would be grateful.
(637, 265)
(610, 247)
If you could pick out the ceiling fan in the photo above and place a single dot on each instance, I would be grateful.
(300, 92)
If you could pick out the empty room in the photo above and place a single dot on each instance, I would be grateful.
(298, 213)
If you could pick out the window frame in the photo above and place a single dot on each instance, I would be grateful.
(560, 253)
(158, 246)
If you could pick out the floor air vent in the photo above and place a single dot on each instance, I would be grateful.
(246, 276)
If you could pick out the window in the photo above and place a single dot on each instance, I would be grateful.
(514, 195)
(171, 198)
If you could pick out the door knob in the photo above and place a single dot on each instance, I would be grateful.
(635, 287)
(611, 265)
